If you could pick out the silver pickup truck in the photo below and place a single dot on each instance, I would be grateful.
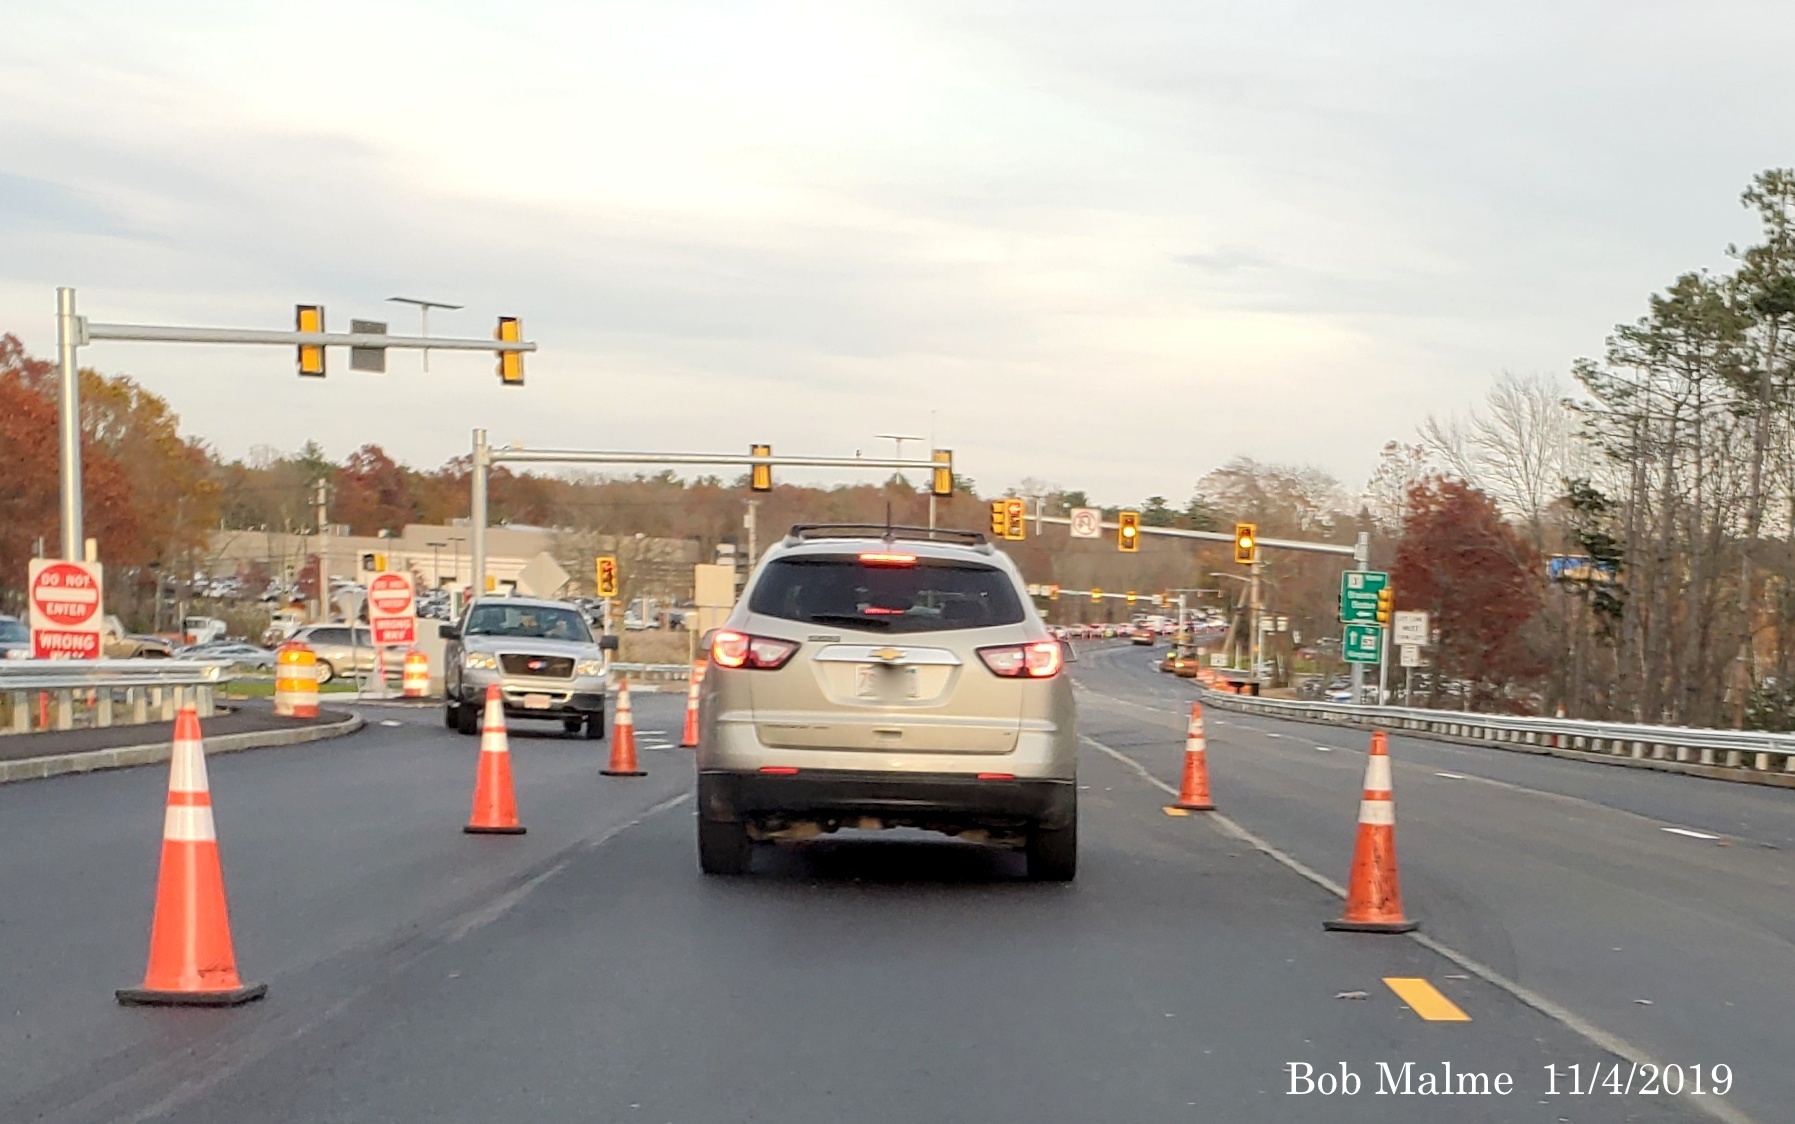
(542, 655)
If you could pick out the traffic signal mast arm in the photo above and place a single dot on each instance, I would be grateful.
(1215, 536)
(143, 333)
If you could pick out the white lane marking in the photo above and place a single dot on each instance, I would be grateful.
(1268, 733)
(1690, 834)
(1612, 1043)
(1324, 749)
(390, 722)
(1453, 776)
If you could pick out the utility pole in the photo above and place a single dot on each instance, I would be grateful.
(1362, 554)
(1253, 604)
(323, 495)
(748, 521)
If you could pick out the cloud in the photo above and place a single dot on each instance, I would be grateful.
(1113, 244)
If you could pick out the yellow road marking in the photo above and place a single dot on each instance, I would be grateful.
(1170, 811)
(1426, 1000)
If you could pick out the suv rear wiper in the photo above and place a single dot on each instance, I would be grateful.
(849, 619)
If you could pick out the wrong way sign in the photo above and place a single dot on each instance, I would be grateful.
(65, 609)
(392, 610)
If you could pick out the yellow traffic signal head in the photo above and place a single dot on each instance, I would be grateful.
(941, 482)
(607, 576)
(998, 519)
(1096, 595)
(1386, 601)
(1128, 531)
(760, 476)
(1013, 525)
(1246, 543)
(310, 318)
(511, 363)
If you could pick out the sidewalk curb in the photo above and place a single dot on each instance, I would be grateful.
(61, 764)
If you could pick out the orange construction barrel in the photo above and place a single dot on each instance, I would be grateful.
(415, 682)
(295, 681)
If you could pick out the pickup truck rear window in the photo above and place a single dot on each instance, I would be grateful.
(929, 595)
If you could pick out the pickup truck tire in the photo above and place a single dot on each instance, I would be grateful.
(467, 719)
(723, 847)
(452, 714)
(595, 727)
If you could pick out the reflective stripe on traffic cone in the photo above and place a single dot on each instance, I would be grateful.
(1193, 792)
(1373, 896)
(191, 960)
(495, 805)
(623, 738)
(689, 739)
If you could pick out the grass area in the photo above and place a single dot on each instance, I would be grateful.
(264, 688)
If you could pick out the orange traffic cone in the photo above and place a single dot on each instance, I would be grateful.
(191, 961)
(495, 805)
(1373, 897)
(689, 739)
(623, 738)
(1193, 793)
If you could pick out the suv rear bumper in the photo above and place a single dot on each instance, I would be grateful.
(920, 798)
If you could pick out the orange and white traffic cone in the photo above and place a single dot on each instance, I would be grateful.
(1193, 791)
(623, 738)
(1373, 895)
(689, 739)
(495, 805)
(191, 960)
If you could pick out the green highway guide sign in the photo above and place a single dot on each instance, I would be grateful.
(1362, 643)
(1358, 594)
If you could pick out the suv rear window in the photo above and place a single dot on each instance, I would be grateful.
(930, 595)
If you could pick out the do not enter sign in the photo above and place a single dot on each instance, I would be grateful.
(65, 609)
(392, 610)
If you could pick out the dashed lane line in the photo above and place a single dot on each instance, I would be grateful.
(1689, 833)
(1712, 1107)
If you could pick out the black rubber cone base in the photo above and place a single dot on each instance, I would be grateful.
(1371, 926)
(1196, 807)
(474, 829)
(623, 772)
(146, 997)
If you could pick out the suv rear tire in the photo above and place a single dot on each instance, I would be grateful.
(723, 847)
(1053, 853)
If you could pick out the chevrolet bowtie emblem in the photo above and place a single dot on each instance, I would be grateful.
(888, 654)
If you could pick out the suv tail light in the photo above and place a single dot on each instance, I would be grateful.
(757, 653)
(1040, 660)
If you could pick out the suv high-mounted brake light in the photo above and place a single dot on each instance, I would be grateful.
(887, 558)
(756, 653)
(1040, 660)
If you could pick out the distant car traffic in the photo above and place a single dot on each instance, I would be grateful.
(1143, 635)
(884, 678)
(340, 652)
(228, 653)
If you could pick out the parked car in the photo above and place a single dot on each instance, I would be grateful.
(15, 639)
(230, 653)
(339, 652)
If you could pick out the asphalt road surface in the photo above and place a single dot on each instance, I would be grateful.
(587, 972)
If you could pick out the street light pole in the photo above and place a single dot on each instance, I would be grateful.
(436, 577)
(900, 438)
(69, 423)
(423, 307)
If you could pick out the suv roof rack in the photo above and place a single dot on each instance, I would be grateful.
(804, 532)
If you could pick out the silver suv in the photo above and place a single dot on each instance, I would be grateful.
(875, 677)
(542, 655)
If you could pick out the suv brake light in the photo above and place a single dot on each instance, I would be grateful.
(757, 653)
(887, 558)
(1040, 660)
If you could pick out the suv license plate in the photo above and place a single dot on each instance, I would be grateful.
(879, 681)
(537, 702)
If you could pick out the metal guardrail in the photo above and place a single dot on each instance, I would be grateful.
(651, 672)
(39, 695)
(1706, 752)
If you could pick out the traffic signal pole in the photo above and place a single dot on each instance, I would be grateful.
(487, 455)
(1362, 553)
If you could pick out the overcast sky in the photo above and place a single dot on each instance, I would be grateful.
(1106, 244)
